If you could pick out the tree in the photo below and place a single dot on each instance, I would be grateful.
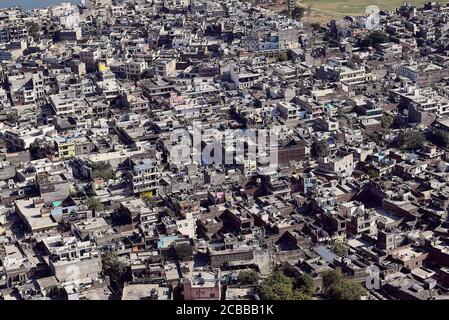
(34, 149)
(282, 56)
(75, 193)
(34, 29)
(280, 287)
(374, 38)
(115, 269)
(168, 213)
(102, 170)
(440, 138)
(248, 277)
(94, 204)
(340, 249)
(306, 284)
(12, 117)
(319, 149)
(410, 139)
(331, 276)
(386, 121)
(345, 289)
(184, 252)
(277, 287)
(373, 173)
(300, 295)
(338, 287)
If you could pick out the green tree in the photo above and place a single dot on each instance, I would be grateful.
(248, 277)
(339, 287)
(306, 284)
(102, 170)
(280, 287)
(340, 249)
(115, 269)
(12, 117)
(184, 252)
(345, 289)
(33, 30)
(34, 149)
(277, 287)
(319, 149)
(300, 295)
(410, 139)
(282, 56)
(168, 213)
(331, 276)
(386, 121)
(374, 38)
(373, 173)
(94, 204)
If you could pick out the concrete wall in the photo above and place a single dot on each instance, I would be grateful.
(76, 269)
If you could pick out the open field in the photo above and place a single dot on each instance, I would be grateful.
(323, 10)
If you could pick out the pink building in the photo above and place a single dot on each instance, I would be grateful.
(202, 286)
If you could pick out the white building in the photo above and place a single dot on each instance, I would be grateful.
(243, 79)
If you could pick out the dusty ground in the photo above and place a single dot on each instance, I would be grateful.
(325, 10)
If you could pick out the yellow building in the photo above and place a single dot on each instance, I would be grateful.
(102, 67)
(148, 195)
(65, 148)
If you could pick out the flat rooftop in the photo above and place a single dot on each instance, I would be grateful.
(32, 215)
(145, 292)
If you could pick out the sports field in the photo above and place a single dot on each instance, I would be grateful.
(326, 9)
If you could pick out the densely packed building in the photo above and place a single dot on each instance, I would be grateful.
(159, 149)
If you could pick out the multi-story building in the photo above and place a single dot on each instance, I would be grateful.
(423, 75)
(144, 177)
(202, 286)
(65, 147)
